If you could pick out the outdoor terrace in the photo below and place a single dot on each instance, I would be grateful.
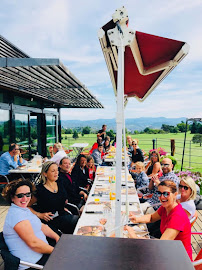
(196, 239)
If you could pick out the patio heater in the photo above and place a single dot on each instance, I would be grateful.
(137, 62)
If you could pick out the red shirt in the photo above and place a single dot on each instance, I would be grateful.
(95, 146)
(178, 220)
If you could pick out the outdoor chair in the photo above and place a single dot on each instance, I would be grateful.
(193, 220)
(4, 180)
(197, 263)
(12, 262)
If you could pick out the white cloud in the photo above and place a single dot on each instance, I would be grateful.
(67, 30)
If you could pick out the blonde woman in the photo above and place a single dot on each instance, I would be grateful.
(187, 195)
(51, 197)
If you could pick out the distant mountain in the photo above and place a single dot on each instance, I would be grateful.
(131, 124)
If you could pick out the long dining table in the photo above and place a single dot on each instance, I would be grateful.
(98, 217)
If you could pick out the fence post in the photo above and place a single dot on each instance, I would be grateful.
(190, 154)
(153, 141)
(172, 147)
(156, 144)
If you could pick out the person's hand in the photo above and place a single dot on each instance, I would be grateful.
(46, 216)
(51, 149)
(57, 238)
(133, 218)
(84, 195)
(131, 232)
(155, 179)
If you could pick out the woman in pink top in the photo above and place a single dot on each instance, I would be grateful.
(175, 224)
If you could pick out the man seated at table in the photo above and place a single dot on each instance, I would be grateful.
(57, 152)
(97, 155)
(75, 195)
(11, 160)
(167, 167)
(102, 132)
(95, 145)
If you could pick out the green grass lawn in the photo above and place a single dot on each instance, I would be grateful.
(163, 140)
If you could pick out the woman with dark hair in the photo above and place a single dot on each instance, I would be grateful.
(106, 145)
(80, 172)
(23, 232)
(137, 154)
(155, 166)
(175, 224)
(51, 197)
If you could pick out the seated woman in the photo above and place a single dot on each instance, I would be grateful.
(80, 172)
(175, 224)
(91, 167)
(137, 154)
(23, 232)
(155, 166)
(187, 190)
(51, 197)
(106, 145)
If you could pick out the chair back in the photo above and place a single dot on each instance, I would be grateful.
(10, 261)
(193, 220)
(198, 257)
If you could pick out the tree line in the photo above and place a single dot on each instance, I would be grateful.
(194, 128)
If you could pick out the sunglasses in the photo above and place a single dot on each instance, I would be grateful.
(165, 194)
(134, 143)
(22, 195)
(165, 165)
(185, 187)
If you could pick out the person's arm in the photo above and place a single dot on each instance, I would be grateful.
(46, 216)
(169, 234)
(25, 231)
(154, 180)
(150, 218)
(49, 232)
(11, 163)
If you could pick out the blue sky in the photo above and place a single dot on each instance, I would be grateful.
(67, 30)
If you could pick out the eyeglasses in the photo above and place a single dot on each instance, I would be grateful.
(154, 156)
(165, 165)
(134, 143)
(22, 195)
(165, 194)
(185, 187)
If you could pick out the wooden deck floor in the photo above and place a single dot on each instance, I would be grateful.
(196, 239)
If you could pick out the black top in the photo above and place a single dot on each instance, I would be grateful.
(48, 201)
(79, 177)
(71, 188)
(138, 156)
(150, 169)
(103, 135)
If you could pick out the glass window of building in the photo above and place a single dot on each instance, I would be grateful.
(50, 130)
(22, 131)
(4, 130)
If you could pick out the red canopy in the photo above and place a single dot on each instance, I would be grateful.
(154, 50)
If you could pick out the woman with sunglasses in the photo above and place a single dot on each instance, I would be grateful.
(23, 232)
(175, 224)
(51, 197)
(155, 166)
(187, 195)
(137, 154)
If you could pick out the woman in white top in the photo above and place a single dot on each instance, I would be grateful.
(187, 195)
